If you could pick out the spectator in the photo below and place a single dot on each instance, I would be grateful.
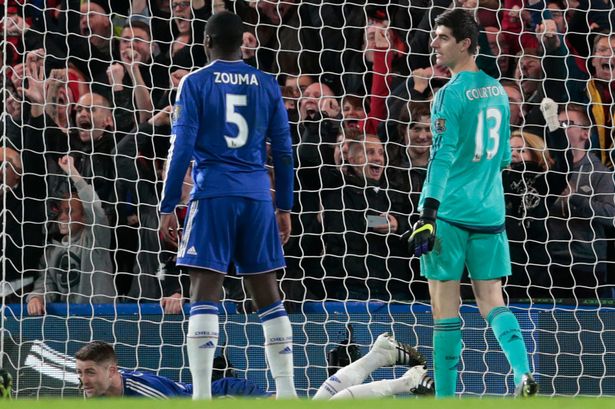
(139, 80)
(364, 256)
(155, 274)
(84, 34)
(139, 165)
(500, 50)
(22, 197)
(533, 182)
(600, 90)
(353, 111)
(188, 24)
(319, 114)
(515, 97)
(76, 269)
(344, 139)
(92, 152)
(578, 219)
(407, 171)
(408, 166)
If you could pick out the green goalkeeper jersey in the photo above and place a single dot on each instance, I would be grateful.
(471, 145)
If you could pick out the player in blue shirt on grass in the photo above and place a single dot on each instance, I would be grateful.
(99, 376)
(462, 202)
(224, 115)
(98, 372)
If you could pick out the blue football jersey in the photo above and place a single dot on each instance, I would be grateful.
(145, 384)
(223, 116)
(148, 385)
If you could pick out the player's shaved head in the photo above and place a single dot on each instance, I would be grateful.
(225, 32)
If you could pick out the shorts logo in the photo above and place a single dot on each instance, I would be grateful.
(191, 251)
(440, 125)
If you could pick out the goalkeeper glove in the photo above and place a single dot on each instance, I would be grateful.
(548, 107)
(6, 384)
(423, 234)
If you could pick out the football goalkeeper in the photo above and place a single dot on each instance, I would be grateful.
(99, 375)
(462, 217)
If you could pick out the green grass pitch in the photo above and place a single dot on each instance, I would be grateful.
(468, 403)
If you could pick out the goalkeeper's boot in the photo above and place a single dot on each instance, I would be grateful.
(420, 382)
(397, 353)
(527, 388)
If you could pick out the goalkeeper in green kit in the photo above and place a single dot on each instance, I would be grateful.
(462, 205)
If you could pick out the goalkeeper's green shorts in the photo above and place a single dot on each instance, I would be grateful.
(486, 255)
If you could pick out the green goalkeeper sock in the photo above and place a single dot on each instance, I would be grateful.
(508, 333)
(447, 351)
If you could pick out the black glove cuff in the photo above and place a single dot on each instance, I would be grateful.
(430, 209)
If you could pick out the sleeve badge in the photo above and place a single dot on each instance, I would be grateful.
(176, 112)
(440, 125)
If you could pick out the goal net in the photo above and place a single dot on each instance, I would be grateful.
(87, 107)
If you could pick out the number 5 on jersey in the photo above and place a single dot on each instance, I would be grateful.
(494, 133)
(233, 117)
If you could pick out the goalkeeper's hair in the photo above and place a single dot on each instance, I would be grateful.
(226, 31)
(97, 351)
(462, 25)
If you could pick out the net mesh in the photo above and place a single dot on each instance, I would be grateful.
(88, 92)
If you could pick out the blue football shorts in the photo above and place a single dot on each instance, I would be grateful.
(223, 229)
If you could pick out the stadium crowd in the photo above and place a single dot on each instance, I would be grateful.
(88, 106)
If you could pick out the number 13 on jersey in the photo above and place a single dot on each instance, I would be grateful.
(493, 118)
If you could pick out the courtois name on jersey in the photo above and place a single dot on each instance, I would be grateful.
(145, 384)
(223, 116)
(471, 126)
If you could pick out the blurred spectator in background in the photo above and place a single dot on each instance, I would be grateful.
(22, 198)
(578, 219)
(353, 112)
(601, 91)
(409, 157)
(500, 50)
(364, 256)
(515, 97)
(139, 157)
(77, 268)
(407, 170)
(535, 179)
(139, 80)
(344, 139)
(319, 117)
(84, 34)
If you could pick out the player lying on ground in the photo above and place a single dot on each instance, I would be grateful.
(98, 372)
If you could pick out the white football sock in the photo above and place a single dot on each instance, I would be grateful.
(353, 374)
(202, 341)
(279, 349)
(377, 389)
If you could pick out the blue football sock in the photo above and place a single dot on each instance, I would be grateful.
(508, 333)
(446, 355)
